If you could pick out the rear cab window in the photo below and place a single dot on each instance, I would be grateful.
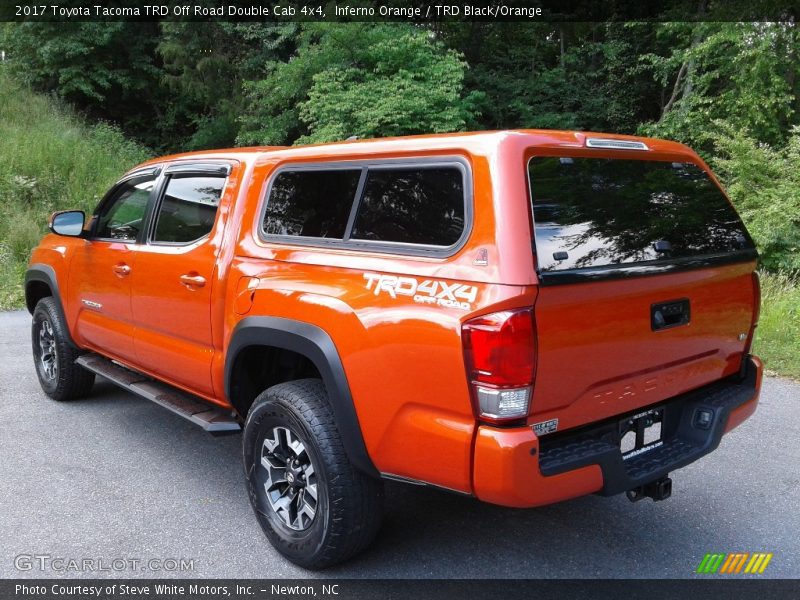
(387, 206)
(597, 217)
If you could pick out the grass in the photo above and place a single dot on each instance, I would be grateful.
(50, 159)
(777, 339)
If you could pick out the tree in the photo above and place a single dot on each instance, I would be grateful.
(109, 70)
(764, 185)
(361, 79)
(557, 75)
(744, 74)
(203, 67)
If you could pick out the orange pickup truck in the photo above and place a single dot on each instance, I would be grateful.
(519, 316)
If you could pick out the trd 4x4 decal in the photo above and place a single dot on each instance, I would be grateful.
(430, 291)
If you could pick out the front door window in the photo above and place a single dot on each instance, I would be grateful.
(122, 218)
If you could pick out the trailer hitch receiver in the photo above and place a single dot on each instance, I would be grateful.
(661, 489)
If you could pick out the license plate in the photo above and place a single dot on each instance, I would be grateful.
(641, 433)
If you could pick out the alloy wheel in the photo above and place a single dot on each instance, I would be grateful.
(48, 353)
(291, 482)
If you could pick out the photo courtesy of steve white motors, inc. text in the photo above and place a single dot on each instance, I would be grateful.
(171, 589)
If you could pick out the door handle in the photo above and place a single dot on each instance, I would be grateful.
(122, 270)
(191, 281)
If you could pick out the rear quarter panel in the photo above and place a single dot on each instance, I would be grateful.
(403, 359)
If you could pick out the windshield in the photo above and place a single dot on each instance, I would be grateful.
(595, 212)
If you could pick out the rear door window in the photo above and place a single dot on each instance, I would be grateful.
(594, 212)
(188, 209)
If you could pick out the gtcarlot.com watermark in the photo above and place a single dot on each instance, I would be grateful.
(62, 564)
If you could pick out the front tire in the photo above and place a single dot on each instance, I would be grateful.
(54, 356)
(314, 507)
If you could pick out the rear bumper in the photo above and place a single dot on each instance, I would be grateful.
(513, 467)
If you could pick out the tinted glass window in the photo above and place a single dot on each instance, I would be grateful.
(591, 212)
(188, 209)
(413, 206)
(122, 217)
(311, 203)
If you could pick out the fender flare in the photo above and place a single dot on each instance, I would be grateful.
(316, 345)
(42, 273)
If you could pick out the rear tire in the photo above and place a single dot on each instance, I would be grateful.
(314, 506)
(54, 355)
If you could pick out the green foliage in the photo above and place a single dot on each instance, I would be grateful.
(172, 85)
(194, 85)
(556, 76)
(764, 184)
(108, 70)
(777, 339)
(360, 79)
(83, 61)
(402, 84)
(203, 68)
(49, 160)
(742, 73)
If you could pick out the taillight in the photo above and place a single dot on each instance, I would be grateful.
(500, 356)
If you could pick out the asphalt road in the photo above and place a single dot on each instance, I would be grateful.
(117, 477)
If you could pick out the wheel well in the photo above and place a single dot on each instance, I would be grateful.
(258, 367)
(35, 291)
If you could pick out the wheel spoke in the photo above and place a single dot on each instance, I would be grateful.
(311, 490)
(283, 508)
(270, 444)
(270, 461)
(286, 440)
(306, 510)
(276, 480)
(298, 449)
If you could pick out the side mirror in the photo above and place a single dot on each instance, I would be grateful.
(67, 222)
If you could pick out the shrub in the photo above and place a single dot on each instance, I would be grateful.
(49, 160)
(764, 185)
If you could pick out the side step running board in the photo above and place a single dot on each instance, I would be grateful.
(214, 420)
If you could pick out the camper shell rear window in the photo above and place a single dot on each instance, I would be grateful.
(596, 217)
